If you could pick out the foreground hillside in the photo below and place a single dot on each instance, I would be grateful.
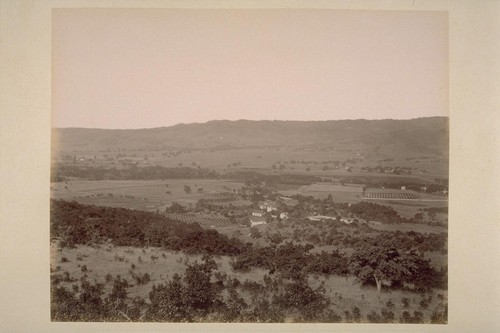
(114, 264)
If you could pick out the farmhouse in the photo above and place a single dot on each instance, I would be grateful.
(257, 220)
(320, 218)
(257, 213)
(268, 206)
(284, 215)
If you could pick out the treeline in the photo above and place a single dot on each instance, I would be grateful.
(62, 172)
(382, 181)
(73, 223)
(411, 183)
(252, 177)
(429, 188)
(357, 234)
(291, 261)
(404, 241)
(363, 210)
(370, 262)
(372, 211)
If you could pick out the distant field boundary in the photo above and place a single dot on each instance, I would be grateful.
(387, 199)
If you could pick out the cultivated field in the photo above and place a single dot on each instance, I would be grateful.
(339, 193)
(391, 195)
(320, 161)
(148, 195)
(204, 221)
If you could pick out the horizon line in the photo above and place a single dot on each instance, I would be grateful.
(249, 120)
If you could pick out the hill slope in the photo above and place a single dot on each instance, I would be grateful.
(414, 135)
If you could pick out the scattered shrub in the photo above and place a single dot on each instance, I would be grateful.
(406, 302)
(387, 316)
(440, 314)
(374, 317)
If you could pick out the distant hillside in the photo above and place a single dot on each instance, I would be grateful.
(415, 135)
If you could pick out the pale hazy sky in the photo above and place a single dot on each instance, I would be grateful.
(159, 67)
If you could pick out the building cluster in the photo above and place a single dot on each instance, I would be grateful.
(258, 215)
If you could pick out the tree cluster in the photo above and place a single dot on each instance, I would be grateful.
(73, 223)
(62, 171)
(291, 261)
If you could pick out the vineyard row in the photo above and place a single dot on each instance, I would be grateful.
(391, 195)
(201, 220)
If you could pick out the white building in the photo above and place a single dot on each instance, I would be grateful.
(284, 215)
(268, 206)
(257, 213)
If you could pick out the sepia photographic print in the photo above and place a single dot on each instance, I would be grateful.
(249, 166)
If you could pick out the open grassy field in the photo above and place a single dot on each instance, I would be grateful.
(409, 208)
(146, 195)
(320, 161)
(345, 293)
(339, 193)
(160, 264)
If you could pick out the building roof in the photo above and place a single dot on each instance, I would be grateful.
(257, 219)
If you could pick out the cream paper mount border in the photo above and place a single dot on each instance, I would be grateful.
(474, 291)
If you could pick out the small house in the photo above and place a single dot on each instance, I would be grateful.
(257, 213)
(268, 206)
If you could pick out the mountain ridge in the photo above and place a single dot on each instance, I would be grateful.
(414, 134)
(245, 120)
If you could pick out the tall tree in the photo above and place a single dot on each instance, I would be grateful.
(375, 263)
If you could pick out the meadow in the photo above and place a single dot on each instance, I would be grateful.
(101, 264)
(148, 195)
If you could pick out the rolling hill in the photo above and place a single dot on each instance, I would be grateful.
(413, 136)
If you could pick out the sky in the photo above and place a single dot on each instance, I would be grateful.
(144, 68)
